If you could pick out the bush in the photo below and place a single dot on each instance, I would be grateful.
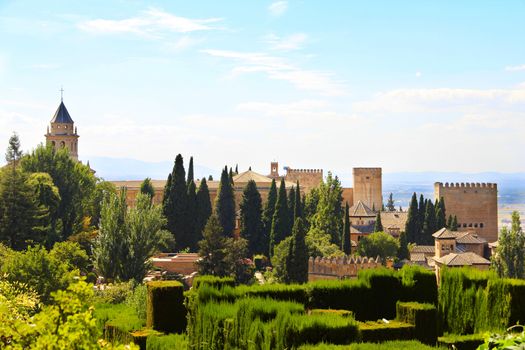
(213, 281)
(114, 293)
(419, 284)
(344, 313)
(283, 292)
(461, 342)
(377, 332)
(207, 293)
(166, 311)
(117, 321)
(163, 342)
(422, 316)
(390, 345)
(137, 299)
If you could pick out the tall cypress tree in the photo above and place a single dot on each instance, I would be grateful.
(267, 218)
(297, 210)
(280, 225)
(421, 213)
(192, 218)
(225, 204)
(429, 225)
(412, 223)
(297, 260)
(166, 198)
(454, 226)
(403, 252)
(347, 243)
(251, 218)
(190, 171)
(203, 208)
(236, 169)
(441, 215)
(378, 227)
(177, 205)
(449, 222)
(291, 208)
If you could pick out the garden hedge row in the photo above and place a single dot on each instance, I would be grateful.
(462, 342)
(213, 281)
(422, 316)
(472, 301)
(379, 331)
(165, 307)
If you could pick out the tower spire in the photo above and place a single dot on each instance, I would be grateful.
(61, 94)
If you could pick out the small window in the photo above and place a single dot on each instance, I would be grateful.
(476, 225)
(470, 225)
(481, 225)
(464, 225)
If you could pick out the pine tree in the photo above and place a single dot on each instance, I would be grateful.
(291, 208)
(225, 204)
(454, 226)
(192, 218)
(14, 152)
(347, 244)
(268, 212)
(251, 218)
(190, 172)
(378, 226)
(298, 260)
(146, 187)
(175, 213)
(390, 204)
(203, 208)
(429, 225)
(412, 223)
(403, 252)
(280, 225)
(297, 210)
(213, 248)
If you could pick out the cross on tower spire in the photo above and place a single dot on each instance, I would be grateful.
(61, 94)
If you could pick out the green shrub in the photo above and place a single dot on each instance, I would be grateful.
(137, 299)
(117, 316)
(213, 281)
(140, 337)
(422, 316)
(461, 342)
(419, 284)
(166, 311)
(114, 293)
(170, 341)
(379, 331)
(284, 292)
(344, 313)
(209, 325)
(390, 345)
(207, 293)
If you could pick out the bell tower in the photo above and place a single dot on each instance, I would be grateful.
(63, 133)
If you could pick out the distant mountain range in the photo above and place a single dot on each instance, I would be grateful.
(402, 184)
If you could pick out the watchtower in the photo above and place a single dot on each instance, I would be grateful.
(63, 133)
(368, 187)
(474, 204)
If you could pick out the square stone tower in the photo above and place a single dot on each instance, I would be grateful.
(474, 204)
(63, 133)
(368, 187)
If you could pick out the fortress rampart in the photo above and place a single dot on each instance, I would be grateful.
(339, 268)
(368, 187)
(308, 178)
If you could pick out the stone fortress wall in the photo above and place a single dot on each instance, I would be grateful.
(368, 187)
(339, 268)
(308, 178)
(474, 204)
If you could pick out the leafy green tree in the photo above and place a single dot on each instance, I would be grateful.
(429, 225)
(328, 217)
(75, 182)
(72, 255)
(203, 207)
(280, 259)
(508, 260)
(175, 206)
(347, 242)
(192, 218)
(297, 259)
(390, 206)
(102, 190)
(190, 172)
(378, 226)
(108, 247)
(146, 187)
(239, 267)
(378, 244)
(225, 204)
(251, 218)
(412, 223)
(403, 252)
(14, 151)
(280, 225)
(320, 244)
(298, 207)
(267, 218)
(311, 201)
(213, 249)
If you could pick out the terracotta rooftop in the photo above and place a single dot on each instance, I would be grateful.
(426, 249)
(469, 238)
(394, 219)
(444, 233)
(360, 209)
(462, 259)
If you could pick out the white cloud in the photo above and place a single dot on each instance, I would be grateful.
(278, 8)
(279, 69)
(515, 68)
(288, 43)
(151, 23)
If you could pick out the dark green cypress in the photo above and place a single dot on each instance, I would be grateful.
(251, 218)
(236, 169)
(291, 208)
(421, 213)
(298, 263)
(429, 225)
(231, 175)
(454, 226)
(191, 217)
(412, 224)
(297, 210)
(225, 204)
(269, 209)
(403, 252)
(190, 171)
(146, 187)
(280, 225)
(203, 207)
(178, 203)
(449, 222)
(347, 243)
(166, 199)
(378, 226)
(441, 219)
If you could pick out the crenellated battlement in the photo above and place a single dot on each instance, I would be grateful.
(339, 268)
(367, 170)
(304, 171)
(493, 186)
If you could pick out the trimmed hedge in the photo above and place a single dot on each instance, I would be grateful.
(344, 313)
(472, 301)
(117, 321)
(140, 337)
(213, 281)
(283, 292)
(390, 345)
(170, 341)
(379, 331)
(166, 311)
(462, 342)
(423, 317)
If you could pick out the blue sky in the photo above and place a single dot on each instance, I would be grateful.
(405, 85)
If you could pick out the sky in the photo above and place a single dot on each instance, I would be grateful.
(403, 85)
